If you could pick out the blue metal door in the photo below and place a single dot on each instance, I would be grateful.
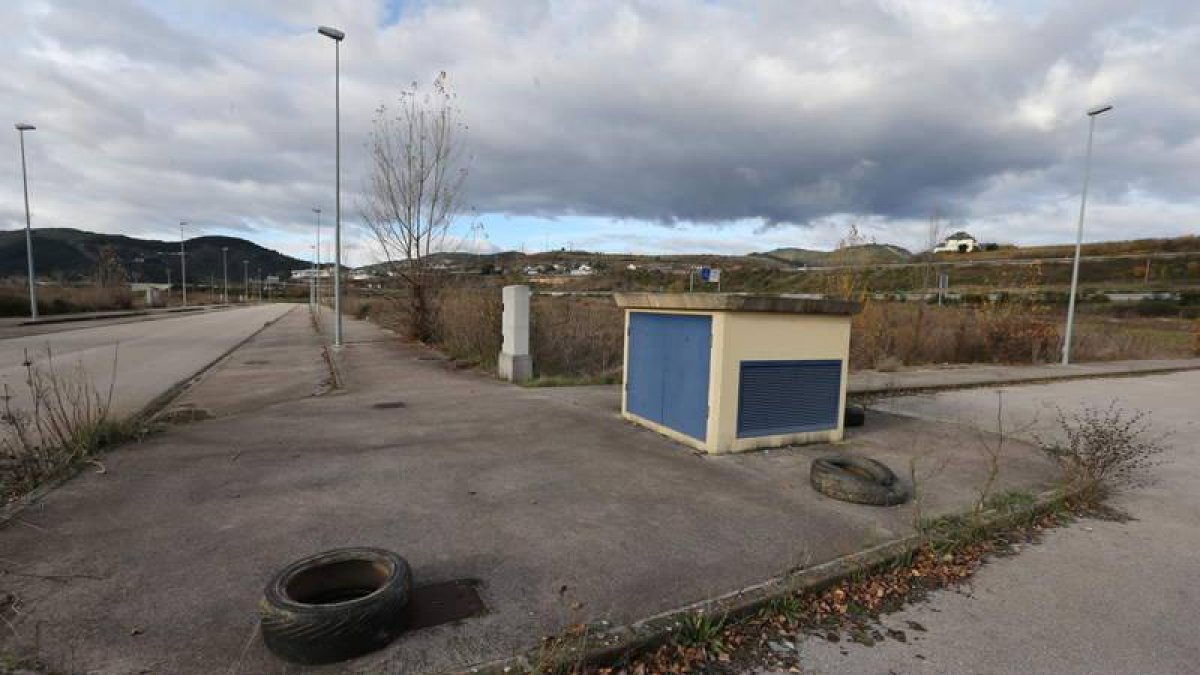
(669, 358)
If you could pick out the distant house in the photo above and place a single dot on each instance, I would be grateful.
(959, 242)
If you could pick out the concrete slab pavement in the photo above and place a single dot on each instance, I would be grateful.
(1095, 598)
(564, 512)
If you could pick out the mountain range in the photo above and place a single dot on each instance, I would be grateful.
(69, 255)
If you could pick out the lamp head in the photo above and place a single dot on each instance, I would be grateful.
(331, 33)
(21, 126)
(1098, 110)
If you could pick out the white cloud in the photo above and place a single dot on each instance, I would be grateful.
(796, 114)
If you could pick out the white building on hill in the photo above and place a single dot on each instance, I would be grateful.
(959, 242)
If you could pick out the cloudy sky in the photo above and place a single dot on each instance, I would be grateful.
(663, 126)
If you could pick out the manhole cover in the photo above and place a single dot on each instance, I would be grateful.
(436, 604)
(388, 405)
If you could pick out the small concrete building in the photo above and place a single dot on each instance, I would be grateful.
(726, 372)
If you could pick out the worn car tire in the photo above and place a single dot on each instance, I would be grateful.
(335, 605)
(860, 480)
(855, 416)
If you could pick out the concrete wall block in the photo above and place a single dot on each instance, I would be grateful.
(515, 364)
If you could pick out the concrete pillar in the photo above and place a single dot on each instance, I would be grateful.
(515, 363)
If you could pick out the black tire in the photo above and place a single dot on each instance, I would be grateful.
(857, 479)
(335, 605)
(855, 416)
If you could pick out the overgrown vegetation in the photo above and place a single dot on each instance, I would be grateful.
(14, 300)
(579, 339)
(1104, 450)
(59, 421)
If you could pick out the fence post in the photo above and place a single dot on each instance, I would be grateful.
(515, 364)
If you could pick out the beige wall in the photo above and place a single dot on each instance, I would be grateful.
(748, 336)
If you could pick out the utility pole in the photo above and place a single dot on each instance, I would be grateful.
(225, 272)
(183, 262)
(168, 280)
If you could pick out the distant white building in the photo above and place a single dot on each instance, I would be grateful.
(582, 271)
(959, 242)
(309, 273)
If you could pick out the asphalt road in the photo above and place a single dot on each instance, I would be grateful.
(149, 357)
(1097, 597)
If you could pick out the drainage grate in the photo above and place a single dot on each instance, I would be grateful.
(445, 602)
(388, 405)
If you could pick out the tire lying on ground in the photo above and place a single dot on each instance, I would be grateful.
(860, 480)
(335, 605)
(856, 416)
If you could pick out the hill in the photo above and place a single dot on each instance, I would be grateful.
(67, 255)
(865, 254)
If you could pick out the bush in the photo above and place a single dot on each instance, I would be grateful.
(1104, 450)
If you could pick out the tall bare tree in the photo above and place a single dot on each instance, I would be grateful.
(414, 189)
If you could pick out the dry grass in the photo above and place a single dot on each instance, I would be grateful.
(466, 324)
(66, 421)
(914, 333)
(577, 338)
(889, 335)
(14, 300)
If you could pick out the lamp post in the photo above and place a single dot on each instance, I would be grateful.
(1092, 113)
(317, 272)
(337, 36)
(182, 262)
(21, 129)
(245, 281)
(225, 272)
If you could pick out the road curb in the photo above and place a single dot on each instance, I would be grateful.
(604, 644)
(69, 318)
(1012, 382)
(13, 509)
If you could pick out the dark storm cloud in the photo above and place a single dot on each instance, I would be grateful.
(781, 112)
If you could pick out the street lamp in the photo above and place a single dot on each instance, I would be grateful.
(225, 271)
(21, 129)
(337, 36)
(1092, 113)
(246, 281)
(317, 271)
(183, 262)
